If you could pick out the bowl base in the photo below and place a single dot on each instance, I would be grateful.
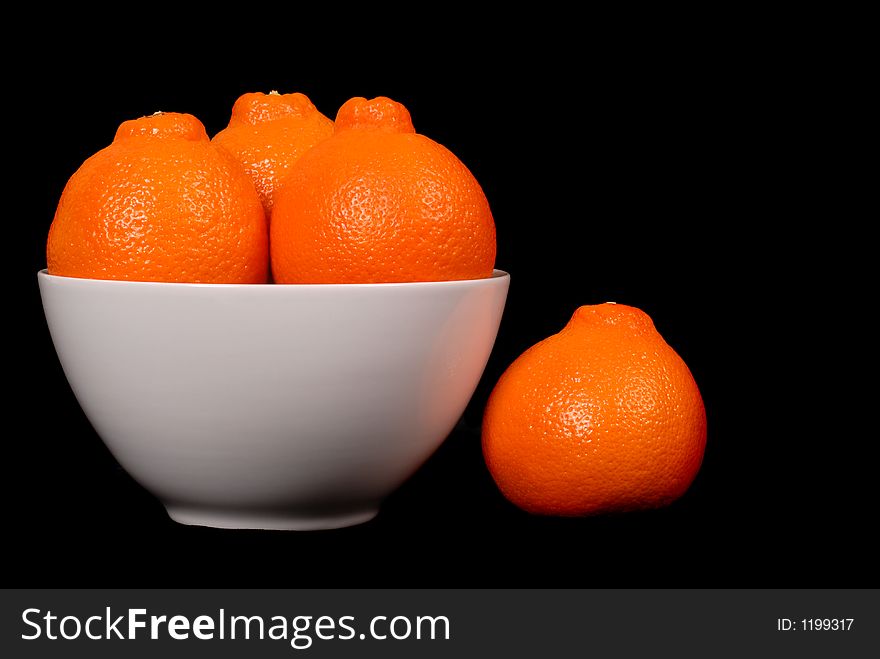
(269, 520)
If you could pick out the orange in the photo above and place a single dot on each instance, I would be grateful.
(379, 203)
(602, 417)
(267, 133)
(161, 203)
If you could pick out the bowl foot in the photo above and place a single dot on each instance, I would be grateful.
(267, 520)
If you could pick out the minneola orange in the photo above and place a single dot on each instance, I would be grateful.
(602, 417)
(378, 202)
(267, 133)
(161, 203)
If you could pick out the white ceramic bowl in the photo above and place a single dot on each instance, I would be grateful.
(273, 406)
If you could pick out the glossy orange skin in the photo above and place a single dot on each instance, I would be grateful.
(161, 203)
(267, 133)
(379, 203)
(603, 417)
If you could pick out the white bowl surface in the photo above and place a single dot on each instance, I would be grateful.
(273, 406)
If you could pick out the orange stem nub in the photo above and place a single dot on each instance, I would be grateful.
(257, 108)
(163, 125)
(380, 113)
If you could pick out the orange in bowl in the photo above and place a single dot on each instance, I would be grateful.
(378, 202)
(161, 203)
(267, 133)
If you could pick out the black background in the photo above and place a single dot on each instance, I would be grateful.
(620, 164)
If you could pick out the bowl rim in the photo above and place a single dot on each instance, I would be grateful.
(43, 274)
